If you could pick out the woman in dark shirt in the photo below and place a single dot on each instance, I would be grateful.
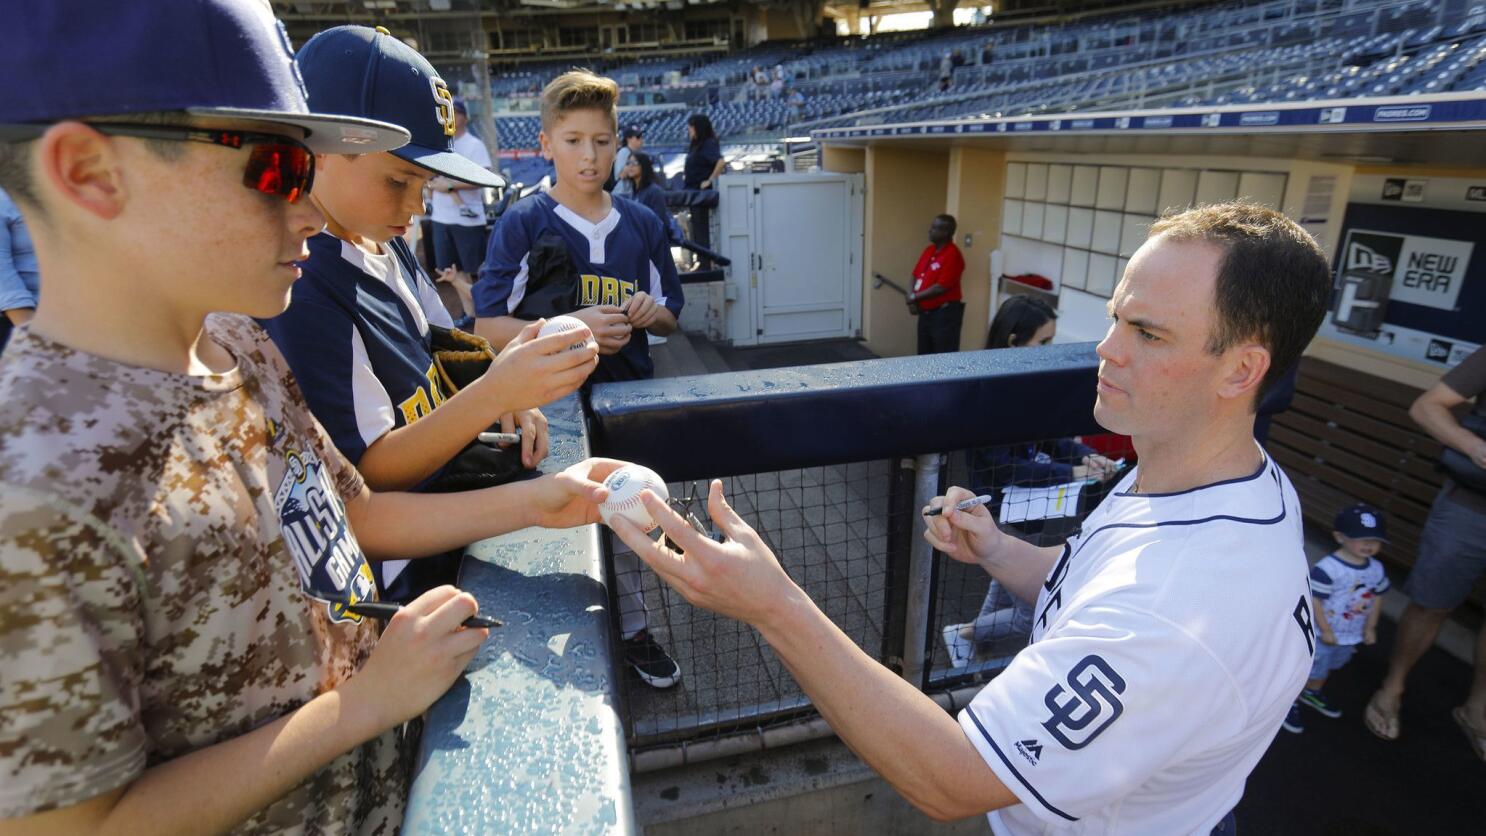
(704, 162)
(639, 170)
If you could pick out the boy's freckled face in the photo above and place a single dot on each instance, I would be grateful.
(373, 196)
(581, 145)
(229, 248)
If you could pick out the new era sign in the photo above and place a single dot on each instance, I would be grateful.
(1424, 271)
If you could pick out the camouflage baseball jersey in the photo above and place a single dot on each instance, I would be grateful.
(158, 533)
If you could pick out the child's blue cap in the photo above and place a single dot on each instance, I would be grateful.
(359, 71)
(70, 59)
(1361, 521)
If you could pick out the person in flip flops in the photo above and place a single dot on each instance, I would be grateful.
(1452, 552)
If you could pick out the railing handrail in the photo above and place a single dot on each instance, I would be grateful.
(530, 740)
(809, 416)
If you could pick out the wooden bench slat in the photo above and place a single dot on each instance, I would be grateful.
(1381, 389)
(1384, 475)
(1412, 439)
(1404, 462)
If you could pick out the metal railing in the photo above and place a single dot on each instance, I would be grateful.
(831, 464)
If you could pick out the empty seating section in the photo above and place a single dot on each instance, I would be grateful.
(1277, 51)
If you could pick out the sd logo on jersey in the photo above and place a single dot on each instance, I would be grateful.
(312, 518)
(1092, 695)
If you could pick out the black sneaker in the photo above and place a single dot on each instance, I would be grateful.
(1314, 700)
(651, 661)
(1293, 722)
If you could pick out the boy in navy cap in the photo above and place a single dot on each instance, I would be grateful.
(357, 332)
(179, 541)
(1345, 588)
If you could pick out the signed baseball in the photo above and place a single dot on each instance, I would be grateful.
(559, 324)
(625, 485)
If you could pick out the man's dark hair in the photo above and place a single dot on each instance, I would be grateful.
(1273, 281)
(949, 219)
(15, 157)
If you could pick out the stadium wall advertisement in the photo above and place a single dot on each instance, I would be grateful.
(1420, 270)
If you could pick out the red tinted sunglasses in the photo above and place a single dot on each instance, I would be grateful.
(277, 165)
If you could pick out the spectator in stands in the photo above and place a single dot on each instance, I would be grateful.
(632, 141)
(19, 280)
(796, 101)
(760, 78)
(776, 84)
(704, 162)
(936, 289)
(1345, 589)
(457, 207)
(946, 71)
(639, 173)
(358, 330)
(627, 283)
(1452, 550)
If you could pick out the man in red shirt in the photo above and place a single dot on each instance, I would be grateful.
(936, 290)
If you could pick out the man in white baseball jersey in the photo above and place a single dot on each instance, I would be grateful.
(1171, 634)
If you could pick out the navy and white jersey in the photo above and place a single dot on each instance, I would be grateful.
(626, 252)
(356, 337)
(1347, 592)
(1169, 641)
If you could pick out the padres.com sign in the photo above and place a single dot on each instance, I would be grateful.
(1424, 271)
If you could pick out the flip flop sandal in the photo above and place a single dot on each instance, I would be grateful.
(1379, 721)
(1476, 736)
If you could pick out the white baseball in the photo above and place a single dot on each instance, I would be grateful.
(625, 485)
(559, 324)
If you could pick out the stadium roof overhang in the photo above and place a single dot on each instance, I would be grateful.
(1439, 129)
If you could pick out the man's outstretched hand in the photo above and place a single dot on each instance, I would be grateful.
(739, 578)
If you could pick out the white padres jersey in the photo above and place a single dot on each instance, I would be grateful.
(1170, 639)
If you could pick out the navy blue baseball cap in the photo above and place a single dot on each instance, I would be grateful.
(70, 59)
(360, 71)
(1361, 521)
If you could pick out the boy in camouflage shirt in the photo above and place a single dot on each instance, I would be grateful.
(178, 538)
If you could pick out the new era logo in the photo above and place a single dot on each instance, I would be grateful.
(1363, 257)
(1029, 749)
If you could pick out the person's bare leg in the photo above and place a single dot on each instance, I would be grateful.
(1417, 630)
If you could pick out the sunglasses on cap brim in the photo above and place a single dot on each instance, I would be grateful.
(277, 165)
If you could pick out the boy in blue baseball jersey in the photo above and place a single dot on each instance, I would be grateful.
(357, 331)
(1345, 587)
(626, 283)
(627, 279)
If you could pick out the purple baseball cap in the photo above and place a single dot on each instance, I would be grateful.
(224, 58)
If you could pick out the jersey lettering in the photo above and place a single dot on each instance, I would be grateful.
(1094, 688)
(1054, 586)
(603, 290)
(1304, 618)
(422, 401)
